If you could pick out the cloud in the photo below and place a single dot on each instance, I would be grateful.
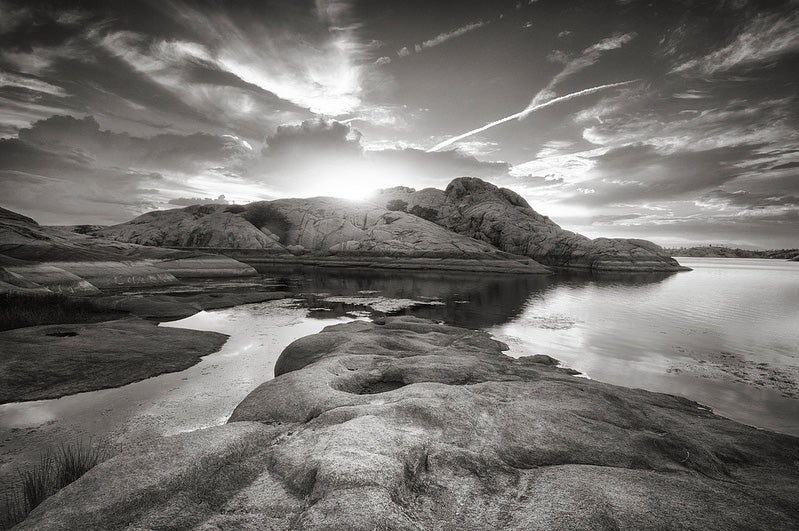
(182, 153)
(439, 39)
(320, 157)
(749, 200)
(763, 39)
(526, 112)
(30, 83)
(322, 74)
(384, 60)
(588, 57)
(64, 168)
(641, 172)
(188, 201)
(444, 37)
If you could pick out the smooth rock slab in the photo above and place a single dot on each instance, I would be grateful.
(417, 425)
(50, 361)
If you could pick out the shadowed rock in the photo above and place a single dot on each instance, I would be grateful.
(415, 425)
(499, 216)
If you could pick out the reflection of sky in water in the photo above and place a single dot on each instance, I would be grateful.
(629, 330)
(201, 396)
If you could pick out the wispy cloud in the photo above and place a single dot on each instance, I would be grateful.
(762, 40)
(527, 111)
(440, 38)
(8, 79)
(444, 37)
(588, 57)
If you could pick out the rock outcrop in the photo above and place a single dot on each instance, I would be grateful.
(319, 230)
(414, 425)
(197, 226)
(46, 259)
(501, 217)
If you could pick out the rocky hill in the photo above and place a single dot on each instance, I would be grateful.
(46, 259)
(407, 424)
(501, 217)
(316, 230)
(203, 226)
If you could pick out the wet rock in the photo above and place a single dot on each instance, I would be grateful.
(417, 425)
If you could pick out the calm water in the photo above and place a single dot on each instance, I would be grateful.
(724, 334)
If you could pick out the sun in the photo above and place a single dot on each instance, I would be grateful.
(351, 182)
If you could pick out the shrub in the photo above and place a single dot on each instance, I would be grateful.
(55, 470)
(430, 214)
(236, 209)
(265, 215)
(397, 205)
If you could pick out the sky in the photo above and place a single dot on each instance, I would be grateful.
(673, 121)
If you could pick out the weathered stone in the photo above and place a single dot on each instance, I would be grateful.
(198, 226)
(417, 425)
(47, 259)
(501, 217)
(320, 230)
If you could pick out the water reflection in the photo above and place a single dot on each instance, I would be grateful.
(724, 334)
(469, 300)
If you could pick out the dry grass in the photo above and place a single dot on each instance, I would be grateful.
(55, 470)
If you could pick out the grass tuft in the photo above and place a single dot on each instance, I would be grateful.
(55, 470)
(18, 310)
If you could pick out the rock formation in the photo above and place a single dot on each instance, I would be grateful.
(414, 425)
(46, 259)
(201, 226)
(501, 217)
(319, 230)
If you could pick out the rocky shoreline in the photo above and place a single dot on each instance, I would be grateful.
(408, 424)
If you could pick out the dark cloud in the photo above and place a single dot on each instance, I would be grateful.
(640, 172)
(68, 168)
(69, 136)
(313, 136)
(188, 201)
(749, 200)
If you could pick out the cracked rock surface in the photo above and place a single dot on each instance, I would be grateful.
(411, 424)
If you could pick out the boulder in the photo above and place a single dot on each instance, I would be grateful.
(503, 218)
(411, 424)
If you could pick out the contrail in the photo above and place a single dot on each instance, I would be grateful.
(530, 109)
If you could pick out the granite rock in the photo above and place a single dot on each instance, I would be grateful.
(411, 424)
(501, 217)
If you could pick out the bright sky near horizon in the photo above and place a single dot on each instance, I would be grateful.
(674, 120)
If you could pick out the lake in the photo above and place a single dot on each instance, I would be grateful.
(724, 334)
